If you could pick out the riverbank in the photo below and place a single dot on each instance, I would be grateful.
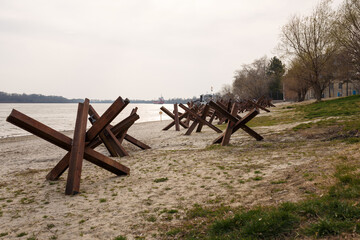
(167, 181)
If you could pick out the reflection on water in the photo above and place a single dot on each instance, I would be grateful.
(62, 116)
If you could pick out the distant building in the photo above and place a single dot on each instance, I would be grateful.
(335, 89)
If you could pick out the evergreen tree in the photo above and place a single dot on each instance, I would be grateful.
(275, 71)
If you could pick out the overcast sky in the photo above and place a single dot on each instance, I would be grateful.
(135, 49)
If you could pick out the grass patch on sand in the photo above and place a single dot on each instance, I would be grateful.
(339, 107)
(264, 121)
(340, 115)
(158, 180)
(347, 106)
(334, 213)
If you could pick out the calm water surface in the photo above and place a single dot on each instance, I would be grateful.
(62, 116)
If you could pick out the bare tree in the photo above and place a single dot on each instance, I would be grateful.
(296, 79)
(309, 40)
(347, 33)
(252, 81)
(226, 92)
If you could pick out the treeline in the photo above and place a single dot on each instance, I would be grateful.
(38, 98)
(34, 98)
(319, 49)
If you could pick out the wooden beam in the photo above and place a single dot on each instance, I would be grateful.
(199, 118)
(116, 129)
(192, 127)
(203, 116)
(176, 117)
(173, 117)
(63, 164)
(223, 111)
(241, 124)
(37, 128)
(213, 115)
(258, 105)
(106, 118)
(77, 150)
(227, 134)
(41, 130)
(107, 137)
(180, 122)
(136, 142)
(59, 169)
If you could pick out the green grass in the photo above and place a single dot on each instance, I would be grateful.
(257, 223)
(50, 226)
(172, 211)
(257, 178)
(279, 182)
(268, 121)
(3, 234)
(21, 234)
(341, 115)
(347, 106)
(200, 212)
(120, 238)
(173, 232)
(158, 180)
(331, 214)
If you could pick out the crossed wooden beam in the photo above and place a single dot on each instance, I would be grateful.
(258, 105)
(82, 145)
(199, 120)
(235, 122)
(177, 118)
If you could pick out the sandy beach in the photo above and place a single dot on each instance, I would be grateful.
(165, 181)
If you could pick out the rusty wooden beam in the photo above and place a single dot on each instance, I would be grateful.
(192, 127)
(240, 124)
(181, 116)
(107, 137)
(173, 117)
(41, 130)
(176, 117)
(229, 128)
(77, 150)
(258, 105)
(37, 128)
(136, 142)
(63, 164)
(59, 169)
(121, 135)
(109, 115)
(223, 111)
(199, 118)
(213, 115)
(203, 116)
(117, 129)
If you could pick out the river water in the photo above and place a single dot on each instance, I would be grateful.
(62, 116)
